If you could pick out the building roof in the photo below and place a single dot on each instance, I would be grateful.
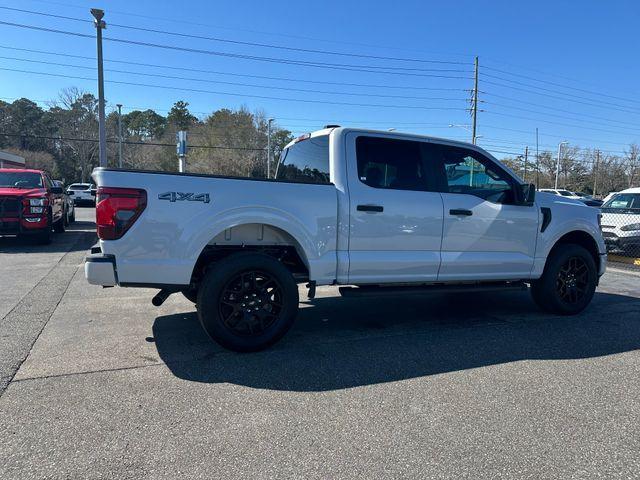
(11, 159)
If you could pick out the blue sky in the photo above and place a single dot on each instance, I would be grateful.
(568, 68)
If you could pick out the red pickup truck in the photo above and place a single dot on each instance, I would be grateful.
(30, 204)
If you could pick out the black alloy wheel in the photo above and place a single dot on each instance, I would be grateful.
(573, 280)
(568, 282)
(251, 302)
(247, 301)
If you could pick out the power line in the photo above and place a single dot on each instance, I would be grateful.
(320, 121)
(489, 112)
(176, 77)
(239, 42)
(591, 92)
(127, 142)
(554, 136)
(556, 109)
(198, 70)
(344, 67)
(185, 89)
(599, 104)
(557, 116)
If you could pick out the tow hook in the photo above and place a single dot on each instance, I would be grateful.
(161, 296)
(312, 290)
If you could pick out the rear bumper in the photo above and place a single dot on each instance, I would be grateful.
(100, 269)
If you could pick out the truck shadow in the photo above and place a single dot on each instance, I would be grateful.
(71, 240)
(343, 343)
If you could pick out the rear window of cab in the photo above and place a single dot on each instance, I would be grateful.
(306, 161)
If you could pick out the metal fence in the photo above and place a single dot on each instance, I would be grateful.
(621, 232)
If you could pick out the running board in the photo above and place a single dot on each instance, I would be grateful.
(377, 291)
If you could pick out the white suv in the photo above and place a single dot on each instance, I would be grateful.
(83, 193)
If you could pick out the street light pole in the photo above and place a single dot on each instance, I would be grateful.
(269, 147)
(119, 105)
(558, 163)
(100, 25)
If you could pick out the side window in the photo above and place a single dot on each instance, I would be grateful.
(390, 163)
(306, 161)
(470, 173)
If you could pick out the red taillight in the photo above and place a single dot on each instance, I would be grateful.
(117, 209)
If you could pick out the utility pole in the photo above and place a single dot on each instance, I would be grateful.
(537, 161)
(475, 103)
(100, 25)
(119, 105)
(526, 156)
(558, 164)
(269, 147)
(595, 172)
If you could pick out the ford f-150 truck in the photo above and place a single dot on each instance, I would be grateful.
(30, 204)
(376, 212)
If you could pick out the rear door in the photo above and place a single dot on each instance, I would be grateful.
(395, 216)
(486, 234)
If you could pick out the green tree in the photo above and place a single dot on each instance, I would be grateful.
(180, 117)
(144, 124)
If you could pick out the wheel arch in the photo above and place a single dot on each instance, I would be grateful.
(265, 237)
(582, 238)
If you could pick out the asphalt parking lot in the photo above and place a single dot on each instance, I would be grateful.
(97, 383)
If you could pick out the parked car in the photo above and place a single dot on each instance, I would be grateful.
(69, 204)
(608, 197)
(83, 193)
(380, 213)
(561, 192)
(588, 199)
(621, 222)
(30, 204)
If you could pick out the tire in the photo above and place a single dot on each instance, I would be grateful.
(66, 218)
(59, 226)
(254, 281)
(45, 237)
(568, 282)
(72, 218)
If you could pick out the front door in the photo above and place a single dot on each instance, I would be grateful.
(486, 235)
(395, 216)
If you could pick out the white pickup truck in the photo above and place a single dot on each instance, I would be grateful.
(378, 212)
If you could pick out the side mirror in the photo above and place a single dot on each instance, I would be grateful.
(528, 194)
(57, 190)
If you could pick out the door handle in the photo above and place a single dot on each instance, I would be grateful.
(370, 208)
(460, 211)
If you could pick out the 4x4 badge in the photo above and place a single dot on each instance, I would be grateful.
(179, 197)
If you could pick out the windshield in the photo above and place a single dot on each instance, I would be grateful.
(79, 186)
(565, 193)
(20, 180)
(624, 200)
